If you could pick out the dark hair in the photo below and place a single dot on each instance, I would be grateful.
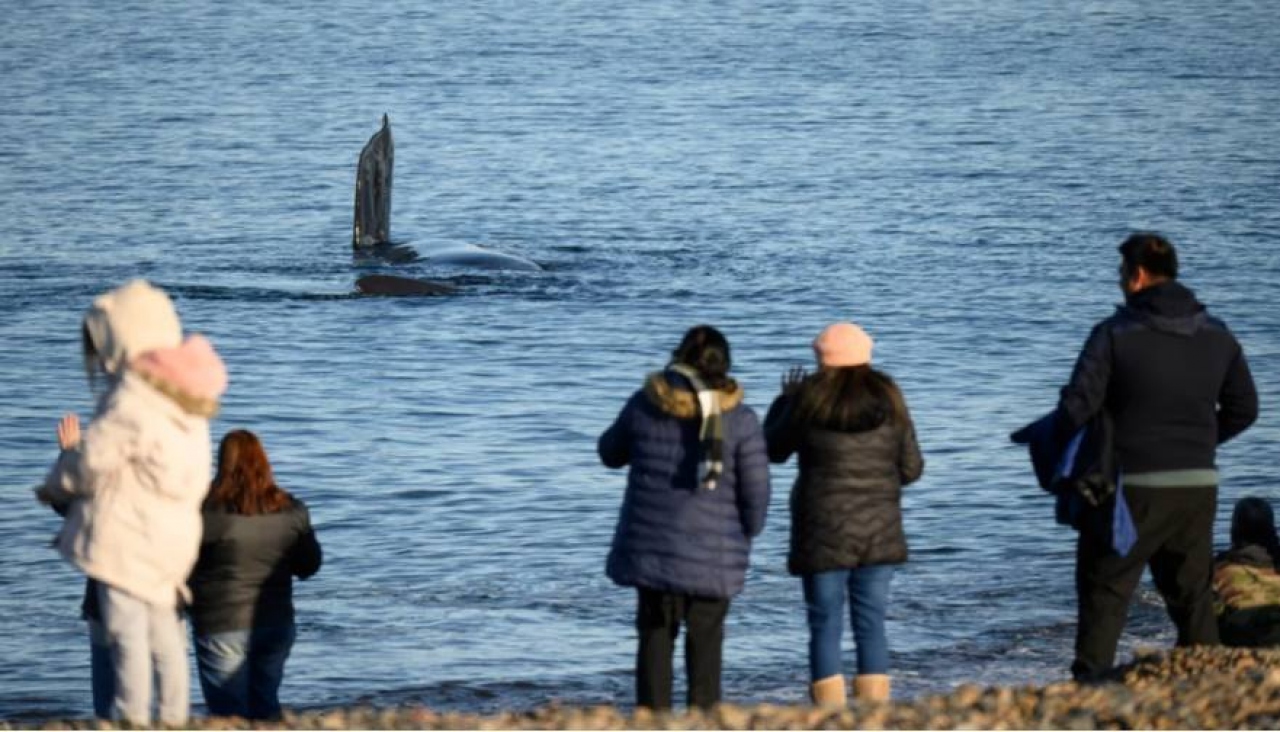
(1150, 251)
(705, 349)
(850, 399)
(92, 361)
(244, 483)
(1253, 522)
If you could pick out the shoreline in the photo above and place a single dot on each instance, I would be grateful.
(1199, 688)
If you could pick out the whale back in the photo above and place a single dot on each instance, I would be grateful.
(394, 286)
(470, 256)
(373, 190)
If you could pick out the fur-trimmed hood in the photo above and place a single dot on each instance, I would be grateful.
(129, 321)
(135, 328)
(192, 375)
(675, 396)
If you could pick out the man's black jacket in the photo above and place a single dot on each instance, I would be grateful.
(1173, 378)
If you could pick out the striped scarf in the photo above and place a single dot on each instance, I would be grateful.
(711, 434)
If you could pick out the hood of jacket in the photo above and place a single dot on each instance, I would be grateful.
(673, 394)
(191, 375)
(1168, 307)
(129, 321)
(1251, 555)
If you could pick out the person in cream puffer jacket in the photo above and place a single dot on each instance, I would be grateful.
(133, 486)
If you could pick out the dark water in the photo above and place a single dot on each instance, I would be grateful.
(954, 175)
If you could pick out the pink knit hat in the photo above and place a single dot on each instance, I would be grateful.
(193, 369)
(842, 344)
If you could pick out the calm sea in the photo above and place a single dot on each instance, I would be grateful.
(954, 175)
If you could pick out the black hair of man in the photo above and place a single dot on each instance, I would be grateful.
(1150, 251)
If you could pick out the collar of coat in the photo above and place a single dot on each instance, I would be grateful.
(188, 403)
(681, 401)
(1252, 555)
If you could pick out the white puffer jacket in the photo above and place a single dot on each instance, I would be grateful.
(134, 489)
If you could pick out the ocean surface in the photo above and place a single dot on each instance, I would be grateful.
(953, 175)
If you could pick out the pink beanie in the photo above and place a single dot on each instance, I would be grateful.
(192, 368)
(842, 344)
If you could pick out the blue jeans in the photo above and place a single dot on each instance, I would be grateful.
(868, 589)
(241, 670)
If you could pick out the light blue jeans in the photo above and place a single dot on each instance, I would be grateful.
(824, 593)
(147, 645)
(241, 670)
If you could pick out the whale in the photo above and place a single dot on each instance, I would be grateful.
(393, 286)
(371, 230)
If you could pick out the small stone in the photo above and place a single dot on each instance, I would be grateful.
(642, 718)
(1079, 720)
(965, 695)
(764, 717)
(333, 720)
(729, 716)
(603, 717)
(421, 716)
(815, 716)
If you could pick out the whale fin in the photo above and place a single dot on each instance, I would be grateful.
(373, 190)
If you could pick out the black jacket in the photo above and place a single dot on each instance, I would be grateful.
(244, 576)
(846, 504)
(1173, 378)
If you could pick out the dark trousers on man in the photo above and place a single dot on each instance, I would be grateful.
(658, 620)
(1175, 539)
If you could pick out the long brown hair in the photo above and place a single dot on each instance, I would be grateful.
(244, 483)
(850, 399)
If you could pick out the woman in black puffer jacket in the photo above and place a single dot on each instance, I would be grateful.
(850, 428)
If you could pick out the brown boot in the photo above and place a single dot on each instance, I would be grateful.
(871, 687)
(828, 692)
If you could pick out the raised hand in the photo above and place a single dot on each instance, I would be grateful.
(792, 380)
(69, 432)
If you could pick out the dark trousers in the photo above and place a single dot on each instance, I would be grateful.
(658, 620)
(1175, 539)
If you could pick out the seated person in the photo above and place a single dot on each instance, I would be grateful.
(1245, 580)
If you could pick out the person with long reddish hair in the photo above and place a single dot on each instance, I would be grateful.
(257, 538)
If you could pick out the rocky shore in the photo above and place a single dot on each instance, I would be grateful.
(1216, 688)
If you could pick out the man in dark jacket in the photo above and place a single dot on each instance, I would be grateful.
(1175, 381)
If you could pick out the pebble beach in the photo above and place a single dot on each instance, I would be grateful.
(1202, 688)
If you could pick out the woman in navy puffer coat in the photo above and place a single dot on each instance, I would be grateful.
(697, 493)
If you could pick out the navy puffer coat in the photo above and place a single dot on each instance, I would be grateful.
(674, 535)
